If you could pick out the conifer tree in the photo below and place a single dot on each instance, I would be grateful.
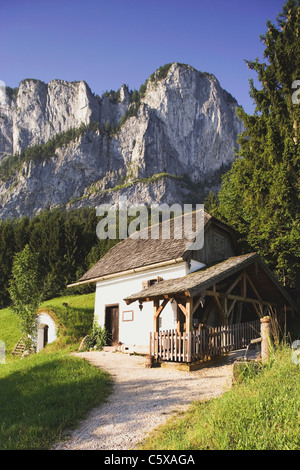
(260, 195)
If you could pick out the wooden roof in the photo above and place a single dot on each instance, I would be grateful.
(197, 282)
(135, 252)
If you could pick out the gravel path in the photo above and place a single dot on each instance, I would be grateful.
(142, 399)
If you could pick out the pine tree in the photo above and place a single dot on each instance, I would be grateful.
(260, 195)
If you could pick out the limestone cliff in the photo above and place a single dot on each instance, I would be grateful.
(169, 142)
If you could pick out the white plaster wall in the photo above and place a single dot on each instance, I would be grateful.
(195, 265)
(45, 319)
(113, 291)
(136, 333)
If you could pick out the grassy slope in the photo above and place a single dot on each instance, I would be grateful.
(10, 333)
(261, 413)
(47, 393)
(44, 395)
(84, 302)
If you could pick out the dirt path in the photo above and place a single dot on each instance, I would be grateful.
(143, 399)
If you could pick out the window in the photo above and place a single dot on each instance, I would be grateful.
(151, 282)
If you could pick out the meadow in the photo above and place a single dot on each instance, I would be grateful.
(260, 412)
(45, 395)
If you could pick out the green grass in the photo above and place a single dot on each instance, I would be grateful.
(47, 393)
(44, 395)
(84, 302)
(74, 321)
(9, 331)
(260, 413)
(80, 308)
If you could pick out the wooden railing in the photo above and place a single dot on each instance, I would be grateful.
(202, 344)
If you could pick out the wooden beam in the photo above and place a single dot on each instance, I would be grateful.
(259, 313)
(197, 303)
(182, 308)
(160, 308)
(219, 306)
(253, 287)
(238, 297)
(244, 286)
(188, 312)
(155, 317)
(234, 284)
(157, 309)
(231, 307)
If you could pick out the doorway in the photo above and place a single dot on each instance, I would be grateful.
(42, 338)
(112, 323)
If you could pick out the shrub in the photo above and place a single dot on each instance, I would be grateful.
(97, 339)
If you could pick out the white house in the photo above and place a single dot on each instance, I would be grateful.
(146, 285)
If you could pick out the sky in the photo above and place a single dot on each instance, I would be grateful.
(108, 43)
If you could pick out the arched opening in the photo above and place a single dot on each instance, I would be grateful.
(42, 338)
(46, 330)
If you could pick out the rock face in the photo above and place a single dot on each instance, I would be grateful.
(181, 127)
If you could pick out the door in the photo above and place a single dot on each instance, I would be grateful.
(46, 327)
(112, 322)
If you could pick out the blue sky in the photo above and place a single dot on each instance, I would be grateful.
(111, 42)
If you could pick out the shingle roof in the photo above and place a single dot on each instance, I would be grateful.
(197, 281)
(134, 253)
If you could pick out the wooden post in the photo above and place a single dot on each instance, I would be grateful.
(177, 318)
(189, 316)
(155, 317)
(265, 338)
(189, 327)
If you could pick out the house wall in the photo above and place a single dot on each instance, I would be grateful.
(135, 325)
(217, 246)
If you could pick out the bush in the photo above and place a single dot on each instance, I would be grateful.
(97, 339)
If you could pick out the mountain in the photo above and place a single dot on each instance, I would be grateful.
(63, 146)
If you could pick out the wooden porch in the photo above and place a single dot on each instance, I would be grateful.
(235, 293)
(203, 344)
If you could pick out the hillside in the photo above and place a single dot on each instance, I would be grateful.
(62, 146)
(77, 320)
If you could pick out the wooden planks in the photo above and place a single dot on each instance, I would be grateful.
(202, 344)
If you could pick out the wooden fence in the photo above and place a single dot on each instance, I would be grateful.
(202, 344)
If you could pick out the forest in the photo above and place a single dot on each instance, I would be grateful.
(66, 244)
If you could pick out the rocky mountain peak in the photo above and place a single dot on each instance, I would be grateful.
(62, 145)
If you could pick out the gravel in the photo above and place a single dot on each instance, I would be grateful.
(142, 399)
